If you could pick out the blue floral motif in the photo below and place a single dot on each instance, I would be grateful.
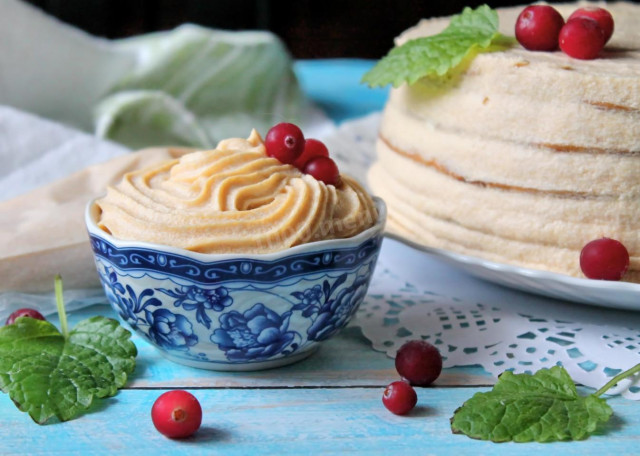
(257, 334)
(262, 271)
(310, 300)
(128, 303)
(200, 299)
(182, 317)
(170, 331)
(332, 314)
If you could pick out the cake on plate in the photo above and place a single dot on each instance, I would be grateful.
(518, 157)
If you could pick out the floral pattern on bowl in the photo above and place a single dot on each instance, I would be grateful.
(235, 312)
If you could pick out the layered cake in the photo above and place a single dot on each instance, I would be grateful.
(518, 157)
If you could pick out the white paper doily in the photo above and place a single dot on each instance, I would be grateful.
(414, 296)
(500, 330)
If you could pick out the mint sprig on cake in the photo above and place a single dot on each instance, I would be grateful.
(472, 31)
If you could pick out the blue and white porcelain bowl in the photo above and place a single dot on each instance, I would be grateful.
(240, 311)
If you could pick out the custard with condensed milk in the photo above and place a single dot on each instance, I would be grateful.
(233, 199)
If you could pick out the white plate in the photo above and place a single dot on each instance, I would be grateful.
(619, 295)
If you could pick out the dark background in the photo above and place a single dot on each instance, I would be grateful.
(310, 28)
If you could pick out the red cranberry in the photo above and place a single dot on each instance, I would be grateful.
(323, 169)
(32, 313)
(538, 27)
(600, 15)
(176, 414)
(399, 398)
(419, 362)
(604, 259)
(285, 142)
(581, 38)
(312, 148)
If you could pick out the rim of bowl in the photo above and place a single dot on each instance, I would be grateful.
(94, 229)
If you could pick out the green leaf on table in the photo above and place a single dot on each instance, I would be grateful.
(542, 407)
(469, 32)
(48, 375)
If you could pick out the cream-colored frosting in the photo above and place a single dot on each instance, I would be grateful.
(519, 157)
(233, 199)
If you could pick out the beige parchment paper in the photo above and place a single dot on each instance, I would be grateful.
(42, 232)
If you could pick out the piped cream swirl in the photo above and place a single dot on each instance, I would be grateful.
(233, 199)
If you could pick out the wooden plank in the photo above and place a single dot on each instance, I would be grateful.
(346, 360)
(291, 421)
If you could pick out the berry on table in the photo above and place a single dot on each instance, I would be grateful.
(312, 148)
(285, 142)
(176, 414)
(399, 398)
(600, 15)
(581, 38)
(604, 259)
(323, 169)
(538, 27)
(32, 313)
(419, 362)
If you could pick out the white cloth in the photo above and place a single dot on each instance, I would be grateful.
(36, 151)
(43, 60)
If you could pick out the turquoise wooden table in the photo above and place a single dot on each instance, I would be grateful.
(329, 403)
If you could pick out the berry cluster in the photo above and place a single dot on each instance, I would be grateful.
(542, 28)
(419, 363)
(286, 142)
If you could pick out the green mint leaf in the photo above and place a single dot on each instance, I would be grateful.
(542, 407)
(47, 375)
(467, 33)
